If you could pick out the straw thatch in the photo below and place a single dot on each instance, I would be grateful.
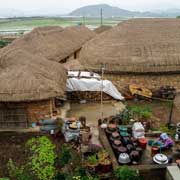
(73, 65)
(102, 29)
(28, 77)
(54, 43)
(136, 46)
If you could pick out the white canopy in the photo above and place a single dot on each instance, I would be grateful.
(83, 74)
(84, 84)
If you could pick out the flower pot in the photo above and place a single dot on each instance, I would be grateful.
(92, 168)
(143, 143)
(105, 168)
(102, 155)
(154, 150)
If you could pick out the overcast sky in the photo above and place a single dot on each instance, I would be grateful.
(65, 6)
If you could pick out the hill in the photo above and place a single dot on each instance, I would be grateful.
(110, 11)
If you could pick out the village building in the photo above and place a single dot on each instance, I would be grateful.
(31, 87)
(141, 51)
(55, 43)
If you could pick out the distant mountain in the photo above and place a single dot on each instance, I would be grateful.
(10, 13)
(110, 11)
(169, 12)
(90, 11)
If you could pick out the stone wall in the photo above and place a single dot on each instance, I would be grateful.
(152, 82)
(20, 113)
(40, 110)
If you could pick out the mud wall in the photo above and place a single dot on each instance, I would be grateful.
(40, 110)
(152, 82)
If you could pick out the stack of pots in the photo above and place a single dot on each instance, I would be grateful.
(110, 129)
(123, 144)
(178, 131)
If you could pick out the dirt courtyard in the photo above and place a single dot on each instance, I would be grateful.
(92, 111)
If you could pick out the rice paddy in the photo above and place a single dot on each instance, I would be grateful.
(19, 25)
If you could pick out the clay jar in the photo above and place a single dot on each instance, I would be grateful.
(116, 144)
(134, 140)
(129, 147)
(134, 155)
(114, 136)
(139, 149)
(126, 140)
(111, 128)
(122, 149)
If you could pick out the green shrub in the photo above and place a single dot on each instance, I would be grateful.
(88, 177)
(3, 43)
(141, 112)
(42, 157)
(125, 173)
(92, 160)
(165, 129)
(18, 173)
(65, 155)
(81, 171)
(61, 176)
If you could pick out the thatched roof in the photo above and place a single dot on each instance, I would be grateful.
(136, 46)
(102, 29)
(54, 43)
(73, 65)
(28, 77)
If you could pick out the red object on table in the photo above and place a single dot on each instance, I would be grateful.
(154, 150)
(143, 143)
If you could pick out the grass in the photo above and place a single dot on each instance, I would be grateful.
(20, 25)
(29, 23)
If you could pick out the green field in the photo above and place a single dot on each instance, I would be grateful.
(26, 24)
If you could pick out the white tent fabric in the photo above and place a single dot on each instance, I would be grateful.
(93, 84)
(83, 74)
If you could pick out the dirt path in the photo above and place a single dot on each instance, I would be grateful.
(92, 112)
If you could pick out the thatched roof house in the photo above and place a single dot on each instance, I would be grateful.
(54, 43)
(28, 87)
(138, 45)
(27, 77)
(102, 29)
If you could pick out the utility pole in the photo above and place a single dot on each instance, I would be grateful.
(84, 20)
(170, 114)
(101, 16)
(102, 77)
